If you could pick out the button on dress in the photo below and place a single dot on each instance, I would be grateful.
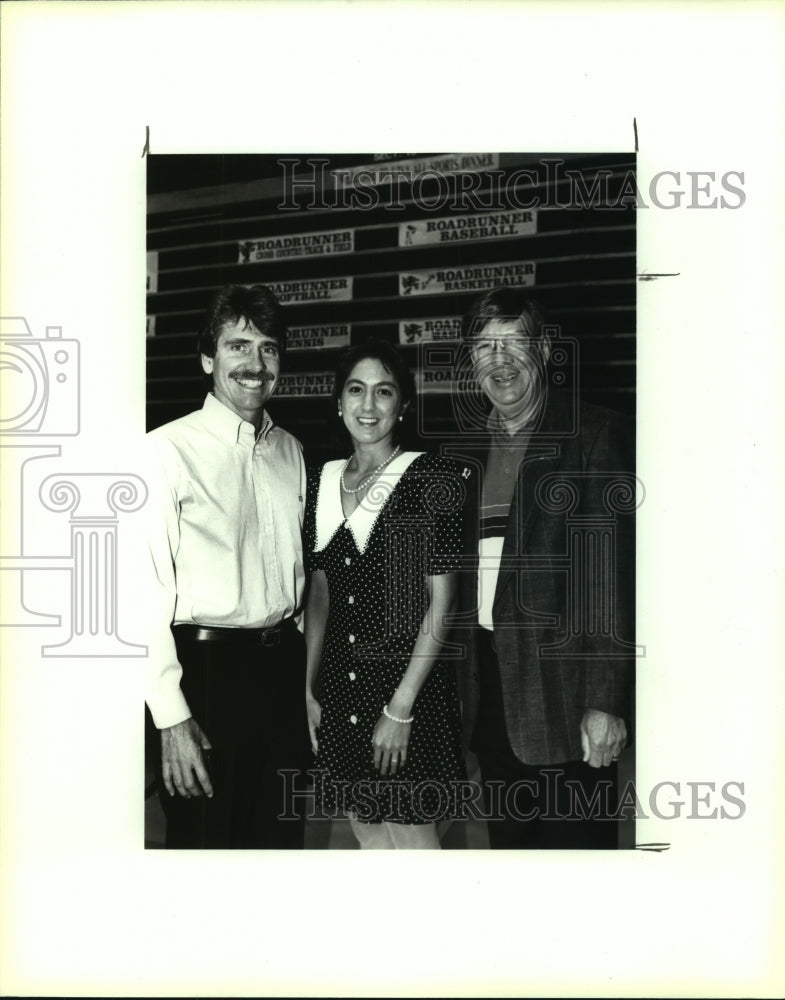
(376, 561)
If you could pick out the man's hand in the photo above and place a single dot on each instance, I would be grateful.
(603, 737)
(183, 761)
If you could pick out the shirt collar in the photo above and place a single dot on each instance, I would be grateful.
(329, 512)
(228, 426)
(505, 431)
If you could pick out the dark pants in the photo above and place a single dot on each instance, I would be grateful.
(545, 807)
(249, 699)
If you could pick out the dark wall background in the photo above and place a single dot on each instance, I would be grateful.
(200, 208)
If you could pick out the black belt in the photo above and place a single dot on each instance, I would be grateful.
(237, 636)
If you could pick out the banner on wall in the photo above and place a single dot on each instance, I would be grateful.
(306, 338)
(298, 384)
(465, 228)
(415, 331)
(314, 290)
(466, 279)
(152, 271)
(336, 241)
(437, 380)
(374, 174)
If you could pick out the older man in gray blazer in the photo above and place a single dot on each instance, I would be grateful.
(548, 679)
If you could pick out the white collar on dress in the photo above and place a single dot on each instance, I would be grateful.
(329, 513)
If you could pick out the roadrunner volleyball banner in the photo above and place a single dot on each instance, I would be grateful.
(299, 384)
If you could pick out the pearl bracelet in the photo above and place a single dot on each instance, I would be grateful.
(394, 718)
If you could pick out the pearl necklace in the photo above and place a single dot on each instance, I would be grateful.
(366, 479)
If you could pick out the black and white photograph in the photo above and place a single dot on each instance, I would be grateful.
(417, 503)
(467, 321)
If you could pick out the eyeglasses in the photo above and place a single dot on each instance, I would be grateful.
(513, 345)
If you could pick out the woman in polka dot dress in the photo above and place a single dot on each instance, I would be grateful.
(383, 532)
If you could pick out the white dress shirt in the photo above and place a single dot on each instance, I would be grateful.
(224, 535)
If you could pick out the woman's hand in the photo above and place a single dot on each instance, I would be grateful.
(389, 742)
(314, 712)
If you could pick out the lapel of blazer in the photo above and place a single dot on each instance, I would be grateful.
(470, 459)
(543, 456)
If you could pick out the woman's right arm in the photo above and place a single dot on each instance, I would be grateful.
(317, 606)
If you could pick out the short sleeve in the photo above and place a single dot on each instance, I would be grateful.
(444, 495)
(313, 560)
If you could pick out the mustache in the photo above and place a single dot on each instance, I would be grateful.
(248, 373)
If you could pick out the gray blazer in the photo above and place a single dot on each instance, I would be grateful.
(564, 607)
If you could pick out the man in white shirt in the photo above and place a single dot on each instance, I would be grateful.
(226, 675)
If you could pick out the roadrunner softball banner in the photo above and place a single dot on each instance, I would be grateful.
(465, 228)
(307, 338)
(415, 331)
(304, 384)
(301, 245)
(466, 279)
(317, 289)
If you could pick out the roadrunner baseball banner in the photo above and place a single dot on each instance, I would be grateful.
(415, 331)
(466, 228)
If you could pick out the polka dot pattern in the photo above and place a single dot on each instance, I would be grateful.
(378, 599)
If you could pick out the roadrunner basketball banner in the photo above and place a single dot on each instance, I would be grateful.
(466, 279)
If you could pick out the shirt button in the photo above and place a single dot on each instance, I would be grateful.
(348, 561)
(506, 471)
(352, 675)
(351, 638)
(351, 598)
(353, 719)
